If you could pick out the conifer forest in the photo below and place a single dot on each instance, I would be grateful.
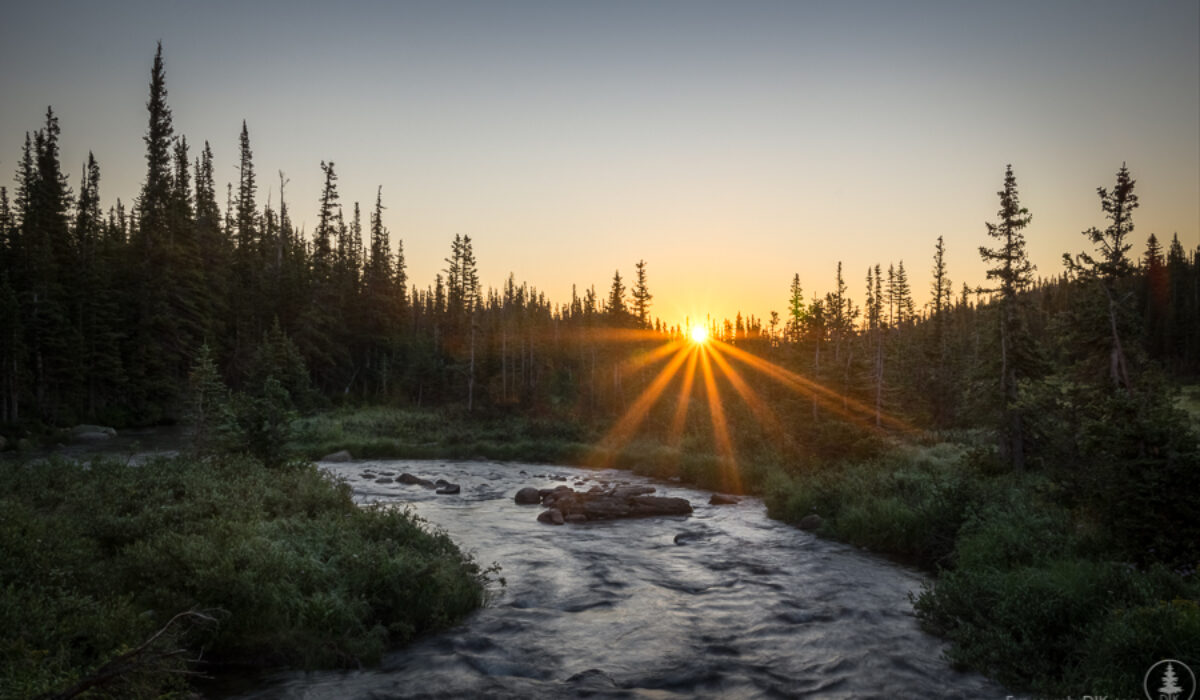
(1028, 442)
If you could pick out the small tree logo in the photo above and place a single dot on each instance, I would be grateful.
(1169, 679)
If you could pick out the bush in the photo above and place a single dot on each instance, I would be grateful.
(909, 503)
(1065, 627)
(300, 574)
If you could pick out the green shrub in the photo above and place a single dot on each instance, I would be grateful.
(298, 573)
(1064, 627)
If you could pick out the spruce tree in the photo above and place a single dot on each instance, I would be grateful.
(616, 299)
(796, 310)
(1112, 267)
(1013, 271)
(641, 297)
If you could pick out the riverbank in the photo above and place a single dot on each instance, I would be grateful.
(1033, 588)
(401, 433)
(222, 559)
(721, 603)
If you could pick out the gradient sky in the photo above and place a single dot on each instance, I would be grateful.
(730, 145)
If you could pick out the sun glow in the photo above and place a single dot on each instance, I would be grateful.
(708, 364)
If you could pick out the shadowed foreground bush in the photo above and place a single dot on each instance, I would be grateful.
(1027, 592)
(96, 560)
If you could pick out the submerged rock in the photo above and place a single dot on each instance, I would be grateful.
(339, 456)
(448, 489)
(592, 679)
(384, 480)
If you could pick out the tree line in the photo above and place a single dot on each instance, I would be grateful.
(104, 314)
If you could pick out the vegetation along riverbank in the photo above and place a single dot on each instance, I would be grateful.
(1027, 438)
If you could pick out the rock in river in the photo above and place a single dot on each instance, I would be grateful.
(448, 489)
(407, 478)
(552, 517)
(609, 504)
(720, 499)
(528, 496)
(339, 456)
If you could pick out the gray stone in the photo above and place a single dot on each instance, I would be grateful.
(339, 456)
(448, 489)
(528, 496)
(812, 521)
(384, 480)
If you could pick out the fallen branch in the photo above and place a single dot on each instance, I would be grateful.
(141, 658)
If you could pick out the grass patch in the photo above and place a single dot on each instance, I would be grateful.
(294, 572)
(397, 433)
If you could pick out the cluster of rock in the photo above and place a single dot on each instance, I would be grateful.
(441, 486)
(566, 505)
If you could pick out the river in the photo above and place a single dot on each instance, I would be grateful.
(724, 603)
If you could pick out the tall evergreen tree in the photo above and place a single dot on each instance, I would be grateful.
(796, 310)
(1112, 266)
(155, 201)
(1013, 271)
(616, 299)
(641, 296)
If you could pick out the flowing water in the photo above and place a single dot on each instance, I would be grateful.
(724, 603)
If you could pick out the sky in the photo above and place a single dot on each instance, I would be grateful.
(729, 145)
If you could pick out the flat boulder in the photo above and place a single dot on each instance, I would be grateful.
(631, 491)
(660, 505)
(339, 456)
(448, 489)
(720, 499)
(411, 480)
(598, 503)
(528, 496)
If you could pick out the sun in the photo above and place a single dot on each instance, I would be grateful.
(698, 334)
